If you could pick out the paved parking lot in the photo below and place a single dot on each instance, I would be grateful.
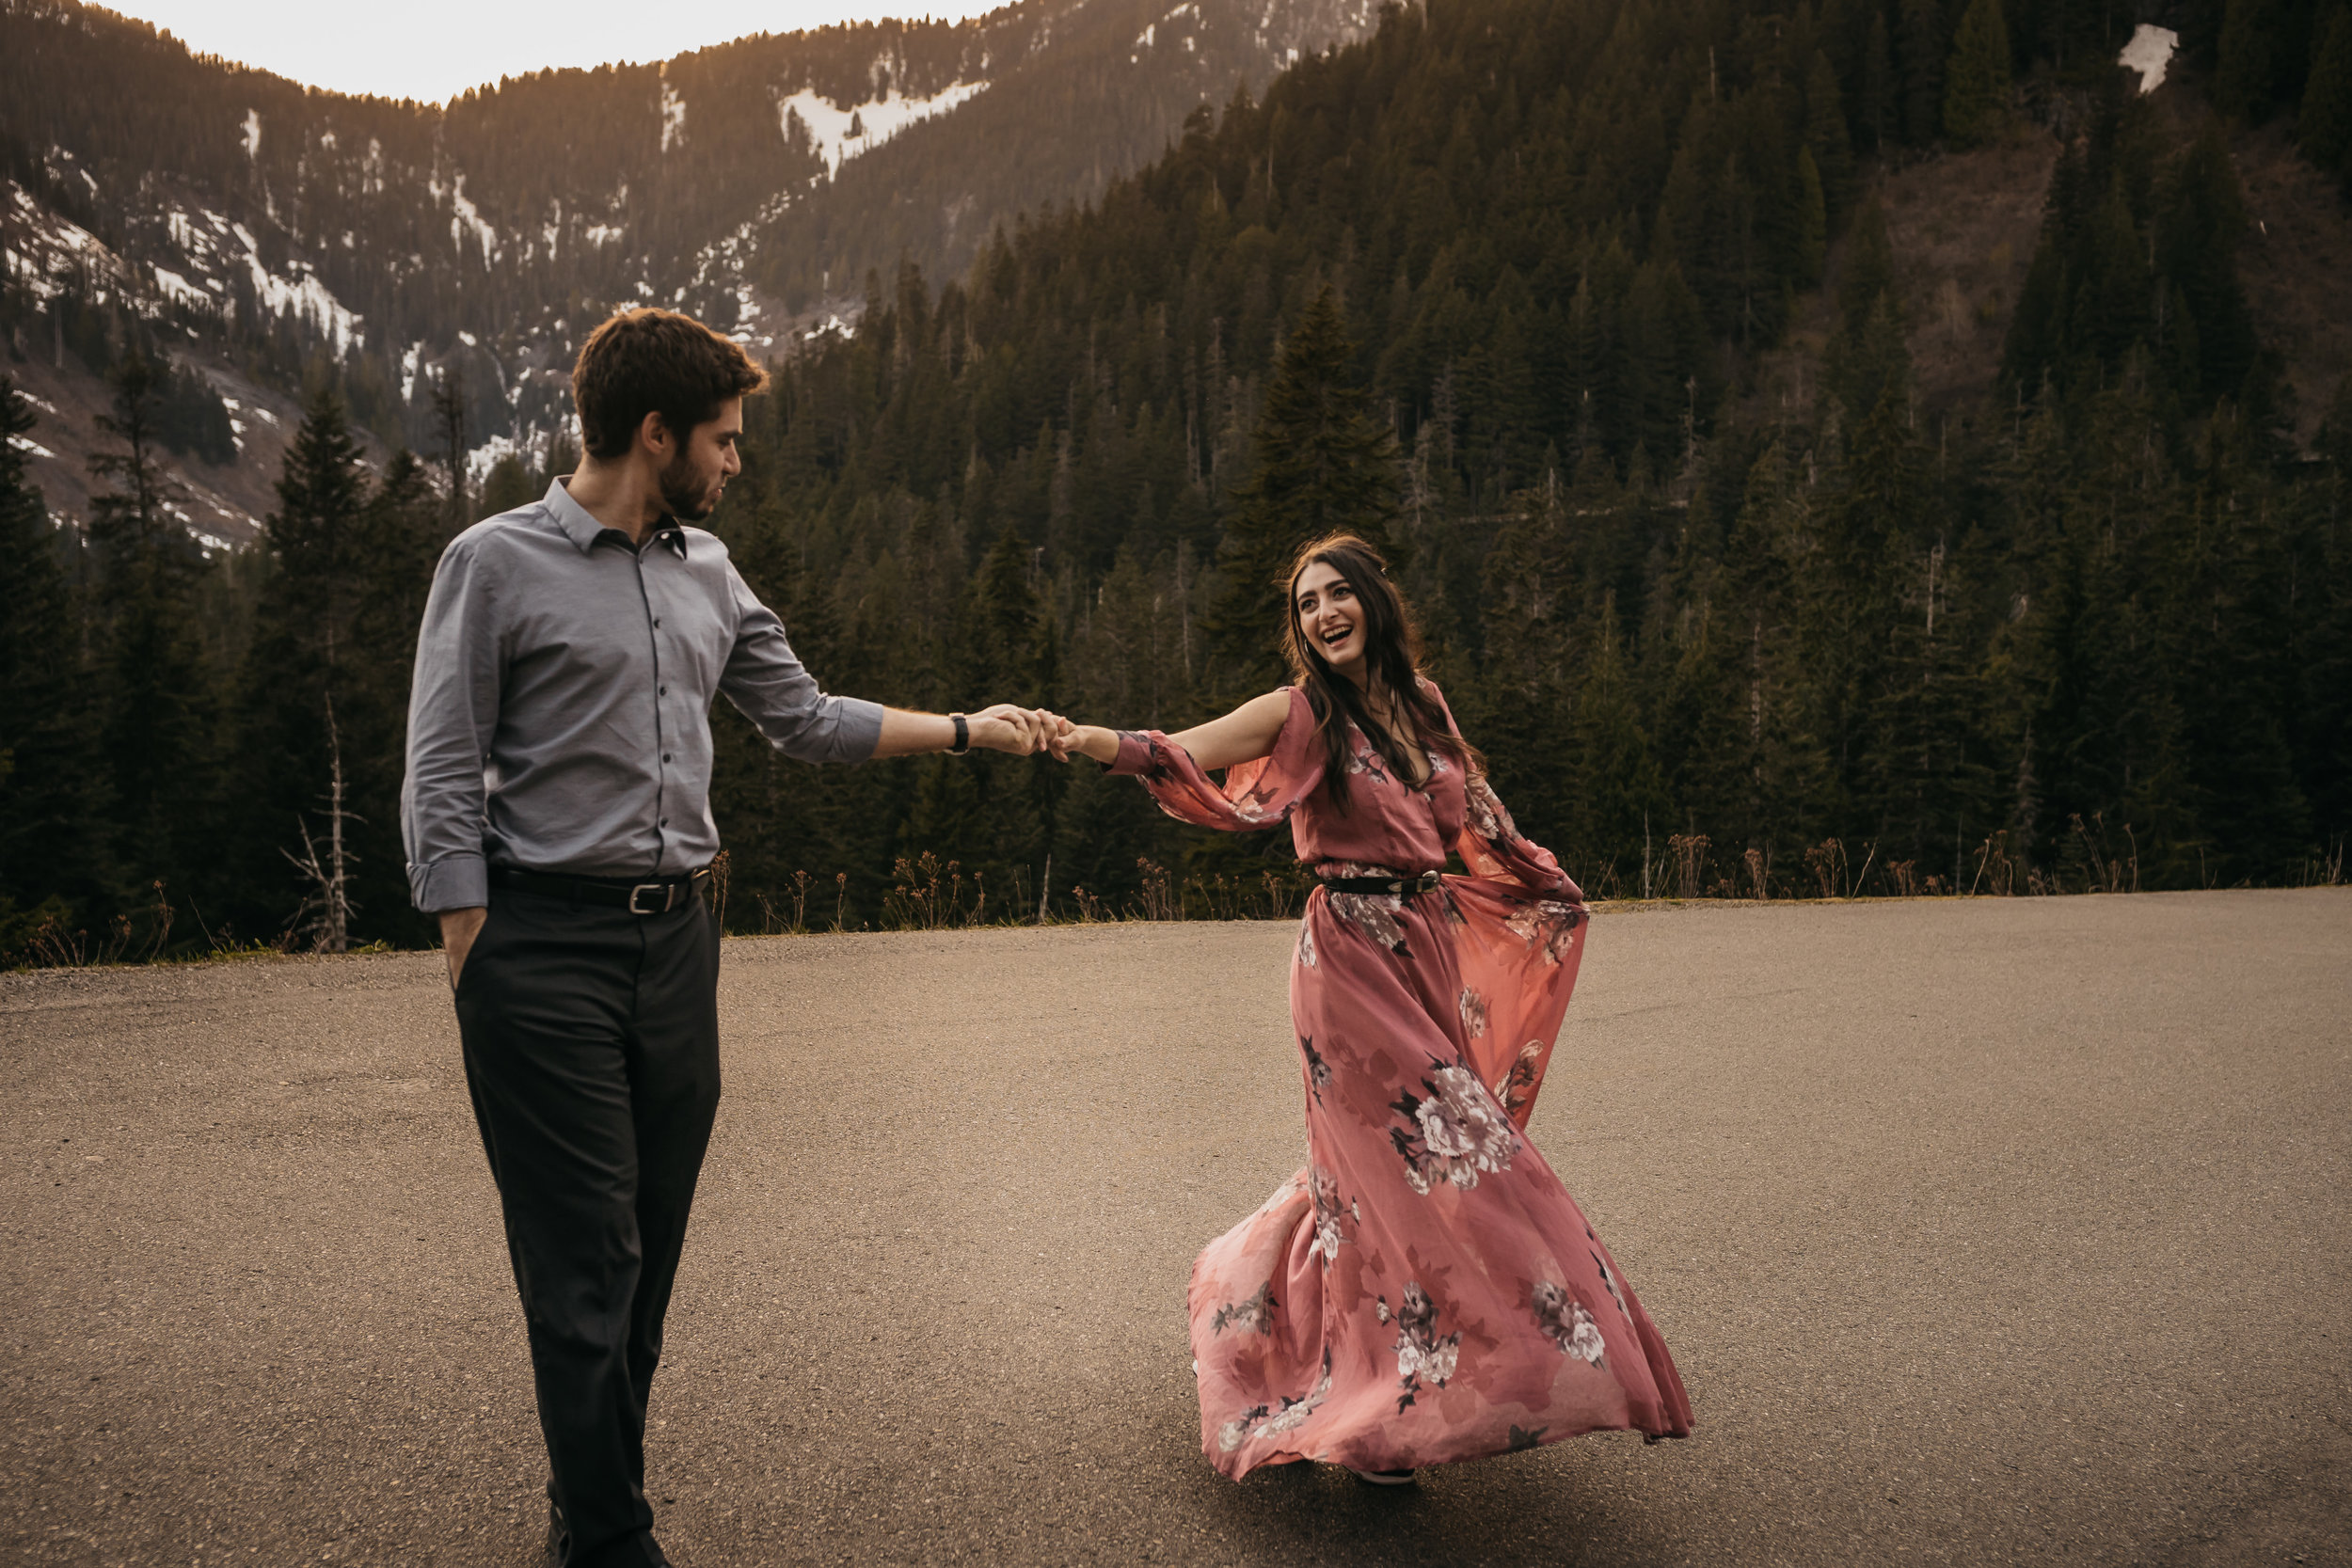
(1983, 1231)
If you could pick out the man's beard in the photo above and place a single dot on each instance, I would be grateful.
(681, 492)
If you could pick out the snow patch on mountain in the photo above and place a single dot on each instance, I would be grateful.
(467, 215)
(841, 133)
(216, 248)
(673, 117)
(180, 291)
(2150, 54)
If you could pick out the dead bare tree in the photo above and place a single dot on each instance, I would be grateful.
(328, 908)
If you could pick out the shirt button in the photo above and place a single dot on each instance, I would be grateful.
(657, 620)
(665, 756)
(665, 822)
(665, 691)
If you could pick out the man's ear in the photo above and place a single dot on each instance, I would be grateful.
(655, 432)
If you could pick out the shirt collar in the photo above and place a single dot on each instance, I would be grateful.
(583, 530)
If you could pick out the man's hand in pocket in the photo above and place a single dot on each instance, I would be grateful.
(458, 930)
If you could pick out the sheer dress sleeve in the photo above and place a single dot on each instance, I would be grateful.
(1521, 939)
(1261, 793)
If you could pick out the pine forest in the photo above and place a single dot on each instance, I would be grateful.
(1588, 312)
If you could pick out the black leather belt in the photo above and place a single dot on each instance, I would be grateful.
(1400, 886)
(658, 897)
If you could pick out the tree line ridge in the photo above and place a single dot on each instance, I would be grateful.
(1497, 286)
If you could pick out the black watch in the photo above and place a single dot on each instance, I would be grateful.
(963, 735)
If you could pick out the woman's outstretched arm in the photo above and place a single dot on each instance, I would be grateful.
(1243, 735)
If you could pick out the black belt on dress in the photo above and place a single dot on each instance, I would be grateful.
(1400, 886)
(655, 897)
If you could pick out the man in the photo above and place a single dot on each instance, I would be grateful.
(557, 820)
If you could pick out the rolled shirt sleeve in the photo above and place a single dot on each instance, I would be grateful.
(452, 712)
(766, 680)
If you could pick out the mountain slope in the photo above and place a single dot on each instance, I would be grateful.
(258, 226)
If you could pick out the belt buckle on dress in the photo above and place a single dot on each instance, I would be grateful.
(661, 888)
(1428, 883)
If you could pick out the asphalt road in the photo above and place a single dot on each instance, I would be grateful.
(1986, 1230)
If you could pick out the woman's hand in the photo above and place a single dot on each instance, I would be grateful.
(1091, 740)
(1243, 735)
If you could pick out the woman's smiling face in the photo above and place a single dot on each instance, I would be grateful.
(1331, 618)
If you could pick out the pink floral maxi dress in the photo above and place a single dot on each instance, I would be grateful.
(1425, 1290)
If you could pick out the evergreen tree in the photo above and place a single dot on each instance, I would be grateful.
(1826, 138)
(1319, 464)
(1812, 219)
(2321, 650)
(158, 731)
(302, 663)
(2200, 223)
(506, 486)
(54, 860)
(450, 432)
(2245, 83)
(1919, 45)
(1617, 784)
(2323, 122)
(1869, 268)
(1878, 112)
(992, 815)
(1976, 78)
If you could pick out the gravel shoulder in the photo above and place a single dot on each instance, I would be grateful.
(1980, 1230)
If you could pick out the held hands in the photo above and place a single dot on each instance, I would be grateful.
(1018, 730)
(1024, 731)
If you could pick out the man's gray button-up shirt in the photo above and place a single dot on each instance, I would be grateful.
(559, 717)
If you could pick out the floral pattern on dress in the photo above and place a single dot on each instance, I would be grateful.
(1420, 1355)
(1318, 1070)
(1374, 914)
(1609, 1283)
(1489, 818)
(1257, 1422)
(1254, 1316)
(1367, 761)
(1306, 944)
(1517, 1089)
(1452, 1132)
(1473, 1008)
(1547, 925)
(1568, 1323)
(1325, 1189)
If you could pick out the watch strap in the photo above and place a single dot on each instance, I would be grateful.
(963, 735)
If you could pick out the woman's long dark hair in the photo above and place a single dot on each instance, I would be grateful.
(1392, 652)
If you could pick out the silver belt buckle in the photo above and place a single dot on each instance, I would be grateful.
(1429, 882)
(661, 888)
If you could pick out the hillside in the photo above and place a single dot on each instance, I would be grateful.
(1863, 452)
(256, 228)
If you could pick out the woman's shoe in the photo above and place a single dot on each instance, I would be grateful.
(1381, 1477)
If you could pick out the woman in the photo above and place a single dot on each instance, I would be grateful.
(1425, 1290)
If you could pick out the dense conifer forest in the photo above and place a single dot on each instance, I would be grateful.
(1494, 287)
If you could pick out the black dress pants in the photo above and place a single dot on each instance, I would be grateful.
(592, 1053)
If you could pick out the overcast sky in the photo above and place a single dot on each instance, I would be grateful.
(431, 49)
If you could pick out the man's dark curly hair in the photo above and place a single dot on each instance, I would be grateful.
(647, 361)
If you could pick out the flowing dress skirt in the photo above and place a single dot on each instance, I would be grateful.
(1425, 1290)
